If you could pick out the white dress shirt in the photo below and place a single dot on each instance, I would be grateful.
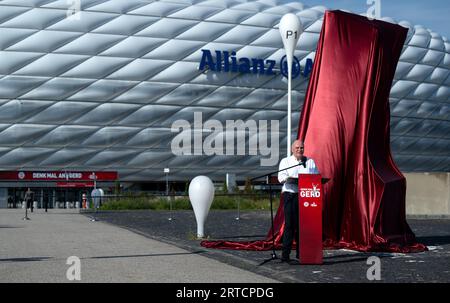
(294, 172)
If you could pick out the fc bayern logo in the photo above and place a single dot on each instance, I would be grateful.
(21, 175)
(295, 67)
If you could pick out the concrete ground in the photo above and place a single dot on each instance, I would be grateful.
(145, 246)
(37, 251)
(339, 265)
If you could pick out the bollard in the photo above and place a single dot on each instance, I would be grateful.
(77, 205)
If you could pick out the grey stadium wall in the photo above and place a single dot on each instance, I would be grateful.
(101, 90)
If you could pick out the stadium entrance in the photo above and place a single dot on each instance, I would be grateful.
(52, 189)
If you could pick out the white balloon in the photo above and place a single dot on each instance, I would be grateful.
(96, 195)
(201, 195)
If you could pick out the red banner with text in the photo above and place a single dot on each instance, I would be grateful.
(58, 176)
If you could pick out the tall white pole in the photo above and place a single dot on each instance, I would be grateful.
(290, 30)
(289, 122)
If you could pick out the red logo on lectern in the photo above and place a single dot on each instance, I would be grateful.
(313, 192)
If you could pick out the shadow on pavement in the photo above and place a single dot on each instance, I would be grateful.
(434, 240)
(147, 255)
(338, 265)
(26, 259)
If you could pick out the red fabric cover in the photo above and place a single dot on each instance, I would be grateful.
(345, 124)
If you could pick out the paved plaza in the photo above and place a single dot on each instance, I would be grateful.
(145, 246)
(38, 251)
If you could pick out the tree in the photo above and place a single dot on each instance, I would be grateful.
(225, 188)
(248, 188)
(116, 188)
(186, 188)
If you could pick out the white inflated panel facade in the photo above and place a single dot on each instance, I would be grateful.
(100, 90)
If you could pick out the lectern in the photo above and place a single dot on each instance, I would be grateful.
(310, 218)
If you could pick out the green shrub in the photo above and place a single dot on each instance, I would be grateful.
(134, 202)
(145, 202)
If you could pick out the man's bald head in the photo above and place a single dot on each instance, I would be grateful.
(298, 147)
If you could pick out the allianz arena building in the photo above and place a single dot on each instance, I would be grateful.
(101, 89)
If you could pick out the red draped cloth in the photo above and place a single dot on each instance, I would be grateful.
(345, 125)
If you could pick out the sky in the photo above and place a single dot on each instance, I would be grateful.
(432, 14)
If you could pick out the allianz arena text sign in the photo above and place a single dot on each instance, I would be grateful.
(225, 61)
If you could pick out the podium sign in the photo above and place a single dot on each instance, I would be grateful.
(310, 218)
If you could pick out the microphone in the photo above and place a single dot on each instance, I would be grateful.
(303, 161)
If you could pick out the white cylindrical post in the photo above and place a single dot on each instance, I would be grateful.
(166, 171)
(290, 30)
(201, 195)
